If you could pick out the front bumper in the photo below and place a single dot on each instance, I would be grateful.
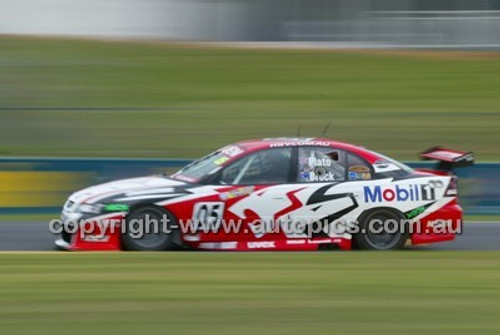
(61, 244)
(101, 232)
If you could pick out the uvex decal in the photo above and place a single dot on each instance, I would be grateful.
(261, 245)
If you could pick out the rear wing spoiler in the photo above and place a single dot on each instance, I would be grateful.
(448, 159)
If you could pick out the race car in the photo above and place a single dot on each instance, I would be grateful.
(273, 194)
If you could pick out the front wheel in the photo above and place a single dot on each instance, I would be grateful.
(381, 229)
(150, 229)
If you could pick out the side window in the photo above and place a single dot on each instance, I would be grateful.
(357, 168)
(321, 164)
(263, 167)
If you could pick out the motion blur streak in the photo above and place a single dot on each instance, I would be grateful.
(359, 23)
(36, 188)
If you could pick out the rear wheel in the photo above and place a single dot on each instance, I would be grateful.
(381, 229)
(150, 229)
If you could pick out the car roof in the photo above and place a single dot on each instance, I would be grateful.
(285, 142)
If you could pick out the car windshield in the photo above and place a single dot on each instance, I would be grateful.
(198, 169)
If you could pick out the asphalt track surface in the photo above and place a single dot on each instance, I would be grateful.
(35, 236)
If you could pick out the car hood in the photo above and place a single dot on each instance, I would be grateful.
(128, 189)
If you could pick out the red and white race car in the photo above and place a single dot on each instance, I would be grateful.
(273, 194)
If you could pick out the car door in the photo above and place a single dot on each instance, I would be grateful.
(327, 175)
(256, 192)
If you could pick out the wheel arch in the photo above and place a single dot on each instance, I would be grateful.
(178, 232)
(370, 211)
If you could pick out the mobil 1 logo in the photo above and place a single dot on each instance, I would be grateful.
(401, 193)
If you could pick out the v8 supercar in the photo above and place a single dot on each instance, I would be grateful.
(273, 194)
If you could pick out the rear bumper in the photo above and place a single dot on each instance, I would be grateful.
(439, 226)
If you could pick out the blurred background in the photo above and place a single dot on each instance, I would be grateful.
(377, 23)
(125, 86)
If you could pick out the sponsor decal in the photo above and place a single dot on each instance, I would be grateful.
(412, 192)
(295, 241)
(416, 211)
(304, 176)
(191, 238)
(299, 143)
(384, 166)
(359, 169)
(381, 164)
(96, 238)
(359, 172)
(208, 214)
(320, 241)
(232, 151)
(221, 160)
(218, 245)
(116, 208)
(359, 176)
(239, 192)
(261, 245)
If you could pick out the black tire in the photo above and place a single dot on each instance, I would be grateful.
(137, 235)
(375, 236)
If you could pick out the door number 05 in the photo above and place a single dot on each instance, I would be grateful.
(208, 213)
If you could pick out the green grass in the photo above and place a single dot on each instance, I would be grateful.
(256, 293)
(478, 218)
(397, 103)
